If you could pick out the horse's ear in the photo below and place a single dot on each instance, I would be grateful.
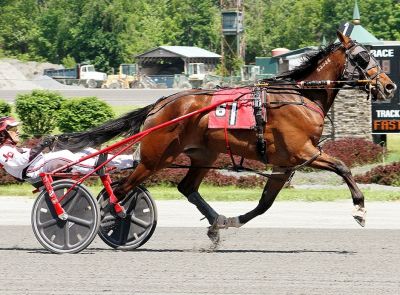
(346, 41)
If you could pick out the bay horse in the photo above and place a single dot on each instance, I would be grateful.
(292, 132)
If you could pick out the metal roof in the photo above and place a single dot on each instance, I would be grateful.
(362, 36)
(179, 51)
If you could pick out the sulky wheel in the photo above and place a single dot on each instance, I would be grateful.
(80, 228)
(136, 228)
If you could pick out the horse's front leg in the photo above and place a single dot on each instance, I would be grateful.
(272, 188)
(327, 162)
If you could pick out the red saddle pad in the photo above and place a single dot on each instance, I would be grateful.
(233, 115)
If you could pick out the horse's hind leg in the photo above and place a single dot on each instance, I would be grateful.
(189, 187)
(190, 184)
(271, 190)
(140, 174)
(157, 151)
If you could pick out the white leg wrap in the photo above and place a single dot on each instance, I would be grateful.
(359, 214)
(234, 222)
(223, 222)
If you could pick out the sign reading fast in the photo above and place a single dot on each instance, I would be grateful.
(386, 115)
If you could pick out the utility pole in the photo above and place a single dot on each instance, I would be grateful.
(232, 39)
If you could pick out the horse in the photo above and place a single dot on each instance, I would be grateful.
(290, 136)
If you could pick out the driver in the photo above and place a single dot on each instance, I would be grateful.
(23, 163)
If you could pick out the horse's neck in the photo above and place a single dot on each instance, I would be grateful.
(330, 68)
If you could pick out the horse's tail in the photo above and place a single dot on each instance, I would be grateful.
(125, 125)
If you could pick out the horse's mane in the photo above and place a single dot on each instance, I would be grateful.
(310, 61)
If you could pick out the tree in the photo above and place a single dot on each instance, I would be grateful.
(193, 25)
(255, 19)
(294, 24)
(381, 18)
(87, 31)
(57, 23)
(18, 29)
(145, 28)
(109, 32)
(97, 33)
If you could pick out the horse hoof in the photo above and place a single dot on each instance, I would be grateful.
(213, 230)
(359, 215)
(213, 235)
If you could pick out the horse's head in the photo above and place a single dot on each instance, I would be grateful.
(360, 61)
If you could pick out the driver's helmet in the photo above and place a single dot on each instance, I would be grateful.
(6, 122)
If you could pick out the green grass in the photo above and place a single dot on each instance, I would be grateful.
(230, 193)
(120, 110)
(16, 190)
(393, 146)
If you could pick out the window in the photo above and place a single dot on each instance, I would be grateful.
(229, 21)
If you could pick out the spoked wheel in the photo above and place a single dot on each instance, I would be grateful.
(136, 228)
(80, 228)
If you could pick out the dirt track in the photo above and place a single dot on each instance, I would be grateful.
(176, 261)
(281, 252)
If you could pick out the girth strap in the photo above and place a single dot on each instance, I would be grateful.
(260, 124)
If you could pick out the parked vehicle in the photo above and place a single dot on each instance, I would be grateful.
(249, 74)
(84, 75)
(127, 77)
(196, 77)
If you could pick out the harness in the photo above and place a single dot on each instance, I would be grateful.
(259, 96)
(358, 63)
(260, 124)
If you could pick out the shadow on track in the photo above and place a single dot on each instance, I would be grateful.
(204, 250)
(200, 250)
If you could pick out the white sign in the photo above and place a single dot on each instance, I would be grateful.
(382, 52)
(387, 113)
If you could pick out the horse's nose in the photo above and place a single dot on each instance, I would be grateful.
(390, 87)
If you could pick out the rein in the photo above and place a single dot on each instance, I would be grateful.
(316, 84)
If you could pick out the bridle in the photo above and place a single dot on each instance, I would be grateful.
(358, 62)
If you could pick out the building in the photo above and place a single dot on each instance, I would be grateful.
(282, 60)
(162, 63)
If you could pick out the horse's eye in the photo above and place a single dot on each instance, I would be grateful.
(362, 59)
